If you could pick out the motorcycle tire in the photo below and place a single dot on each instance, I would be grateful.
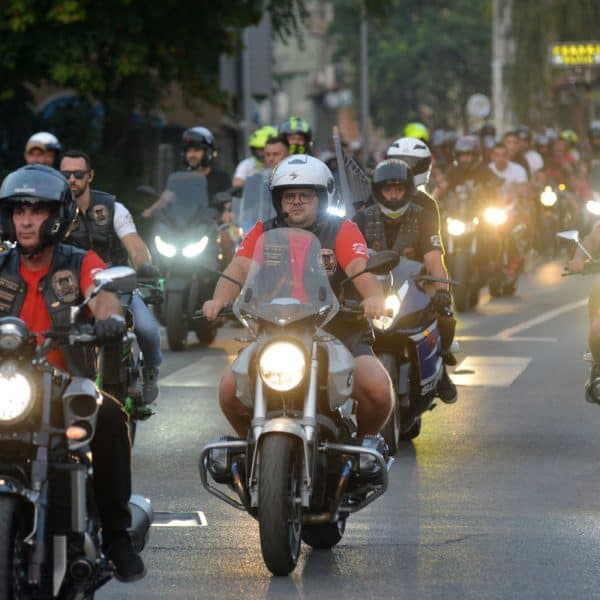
(412, 432)
(279, 512)
(13, 567)
(462, 292)
(391, 429)
(325, 535)
(495, 286)
(205, 331)
(509, 289)
(176, 322)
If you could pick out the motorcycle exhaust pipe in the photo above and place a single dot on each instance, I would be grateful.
(142, 517)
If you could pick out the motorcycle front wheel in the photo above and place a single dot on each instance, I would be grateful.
(176, 322)
(279, 507)
(13, 567)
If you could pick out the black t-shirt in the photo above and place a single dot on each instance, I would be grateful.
(217, 181)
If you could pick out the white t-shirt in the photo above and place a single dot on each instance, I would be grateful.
(248, 167)
(514, 173)
(123, 221)
(534, 160)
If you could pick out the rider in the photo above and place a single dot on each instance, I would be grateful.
(254, 164)
(199, 150)
(104, 225)
(301, 188)
(36, 210)
(398, 221)
(43, 148)
(298, 134)
(591, 242)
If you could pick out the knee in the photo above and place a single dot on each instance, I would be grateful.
(374, 382)
(595, 328)
(227, 397)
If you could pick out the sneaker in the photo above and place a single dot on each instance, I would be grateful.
(592, 386)
(448, 358)
(149, 384)
(128, 564)
(446, 390)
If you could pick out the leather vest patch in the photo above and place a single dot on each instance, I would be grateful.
(65, 286)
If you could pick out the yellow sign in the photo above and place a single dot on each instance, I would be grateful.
(575, 54)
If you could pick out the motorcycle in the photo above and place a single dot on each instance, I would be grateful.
(189, 256)
(50, 543)
(408, 344)
(253, 203)
(462, 247)
(298, 472)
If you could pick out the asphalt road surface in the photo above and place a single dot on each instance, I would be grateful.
(499, 497)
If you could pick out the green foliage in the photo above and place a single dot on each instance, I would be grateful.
(535, 25)
(434, 54)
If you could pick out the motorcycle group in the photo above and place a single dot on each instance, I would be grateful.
(349, 323)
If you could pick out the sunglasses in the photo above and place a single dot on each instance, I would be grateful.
(79, 174)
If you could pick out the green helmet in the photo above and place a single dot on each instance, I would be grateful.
(258, 139)
(416, 130)
(297, 125)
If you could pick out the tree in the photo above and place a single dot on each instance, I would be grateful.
(126, 53)
(434, 54)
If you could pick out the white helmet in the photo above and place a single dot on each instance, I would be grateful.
(302, 171)
(45, 140)
(416, 154)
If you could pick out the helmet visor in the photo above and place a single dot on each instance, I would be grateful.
(28, 186)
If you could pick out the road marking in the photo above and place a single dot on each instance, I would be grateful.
(495, 338)
(202, 373)
(183, 519)
(491, 371)
(547, 316)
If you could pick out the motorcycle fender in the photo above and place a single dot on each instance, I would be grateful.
(176, 284)
(340, 378)
(241, 374)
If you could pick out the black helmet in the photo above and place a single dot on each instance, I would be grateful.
(297, 125)
(200, 137)
(38, 184)
(388, 171)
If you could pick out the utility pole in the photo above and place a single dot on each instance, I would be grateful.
(364, 84)
(246, 88)
(501, 15)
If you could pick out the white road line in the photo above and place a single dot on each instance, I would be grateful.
(495, 338)
(490, 371)
(168, 519)
(547, 316)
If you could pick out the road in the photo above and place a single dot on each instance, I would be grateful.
(499, 497)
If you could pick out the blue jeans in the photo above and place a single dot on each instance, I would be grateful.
(146, 331)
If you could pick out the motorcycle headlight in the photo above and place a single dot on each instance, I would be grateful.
(282, 366)
(196, 248)
(392, 303)
(16, 394)
(593, 207)
(548, 197)
(495, 216)
(164, 248)
(456, 227)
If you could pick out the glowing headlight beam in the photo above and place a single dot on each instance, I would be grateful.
(164, 248)
(456, 227)
(593, 207)
(392, 304)
(196, 248)
(15, 397)
(282, 366)
(548, 197)
(495, 216)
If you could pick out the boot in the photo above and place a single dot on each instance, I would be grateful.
(128, 564)
(149, 384)
(446, 390)
(592, 386)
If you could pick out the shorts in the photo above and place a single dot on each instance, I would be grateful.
(356, 334)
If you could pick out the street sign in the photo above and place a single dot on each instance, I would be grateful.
(575, 54)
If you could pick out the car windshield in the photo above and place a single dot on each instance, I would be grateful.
(188, 198)
(287, 280)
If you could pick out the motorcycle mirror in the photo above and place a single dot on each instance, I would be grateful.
(147, 190)
(116, 279)
(573, 236)
(382, 262)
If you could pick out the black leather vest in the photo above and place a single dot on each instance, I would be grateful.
(60, 289)
(96, 231)
(407, 228)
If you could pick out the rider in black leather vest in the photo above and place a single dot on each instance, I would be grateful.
(95, 230)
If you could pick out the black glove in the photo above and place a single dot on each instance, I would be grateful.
(442, 302)
(148, 271)
(111, 329)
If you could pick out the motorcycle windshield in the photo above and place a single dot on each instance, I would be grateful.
(406, 269)
(255, 203)
(287, 280)
(188, 199)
